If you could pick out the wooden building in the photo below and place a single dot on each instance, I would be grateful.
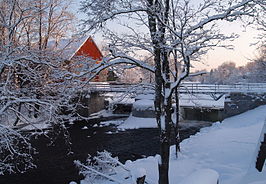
(79, 50)
(89, 49)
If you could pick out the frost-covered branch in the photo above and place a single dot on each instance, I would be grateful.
(244, 7)
(94, 171)
(105, 167)
(31, 88)
(90, 71)
(106, 10)
(16, 151)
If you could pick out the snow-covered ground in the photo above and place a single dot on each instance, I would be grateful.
(137, 122)
(226, 148)
(186, 100)
(201, 100)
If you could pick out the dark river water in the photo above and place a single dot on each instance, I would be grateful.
(55, 164)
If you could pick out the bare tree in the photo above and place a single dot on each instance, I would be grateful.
(28, 91)
(261, 23)
(54, 21)
(164, 29)
(26, 72)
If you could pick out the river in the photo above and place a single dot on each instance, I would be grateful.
(55, 162)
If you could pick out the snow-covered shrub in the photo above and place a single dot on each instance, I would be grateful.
(105, 167)
(16, 151)
(103, 163)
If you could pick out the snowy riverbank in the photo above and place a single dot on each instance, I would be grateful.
(227, 148)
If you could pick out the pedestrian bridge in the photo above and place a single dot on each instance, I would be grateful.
(186, 87)
(210, 102)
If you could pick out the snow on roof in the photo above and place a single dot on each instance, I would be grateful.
(90, 49)
(76, 47)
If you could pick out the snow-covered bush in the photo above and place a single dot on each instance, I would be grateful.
(105, 167)
(16, 151)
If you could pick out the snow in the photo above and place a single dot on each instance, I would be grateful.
(84, 128)
(72, 182)
(144, 104)
(105, 114)
(201, 100)
(138, 173)
(68, 46)
(136, 122)
(146, 101)
(145, 96)
(202, 176)
(35, 126)
(226, 149)
(120, 98)
(112, 122)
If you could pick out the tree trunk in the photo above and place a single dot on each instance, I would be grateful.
(176, 126)
(165, 136)
(161, 109)
(164, 165)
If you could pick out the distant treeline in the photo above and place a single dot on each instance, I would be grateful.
(228, 73)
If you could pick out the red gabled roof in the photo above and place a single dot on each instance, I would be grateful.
(89, 49)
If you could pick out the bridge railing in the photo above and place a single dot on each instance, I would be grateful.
(184, 88)
(218, 88)
(118, 87)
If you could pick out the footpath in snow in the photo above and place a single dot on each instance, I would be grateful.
(227, 148)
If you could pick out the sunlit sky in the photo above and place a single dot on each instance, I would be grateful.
(244, 48)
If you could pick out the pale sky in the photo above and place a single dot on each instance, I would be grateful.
(244, 48)
(242, 53)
